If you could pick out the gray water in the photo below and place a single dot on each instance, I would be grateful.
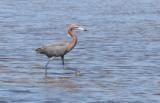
(117, 59)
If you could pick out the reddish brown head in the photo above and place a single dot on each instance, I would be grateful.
(71, 29)
(75, 27)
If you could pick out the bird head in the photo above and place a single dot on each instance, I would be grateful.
(76, 27)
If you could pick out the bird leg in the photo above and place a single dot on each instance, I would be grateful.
(48, 62)
(62, 57)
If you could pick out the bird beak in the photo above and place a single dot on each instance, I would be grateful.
(85, 30)
(82, 29)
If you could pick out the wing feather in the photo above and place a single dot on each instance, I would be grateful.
(56, 49)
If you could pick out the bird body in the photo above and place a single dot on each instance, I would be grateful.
(54, 50)
(61, 48)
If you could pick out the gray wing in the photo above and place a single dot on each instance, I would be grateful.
(54, 50)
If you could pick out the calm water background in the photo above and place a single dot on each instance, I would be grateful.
(118, 58)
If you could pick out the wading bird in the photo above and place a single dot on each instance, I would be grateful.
(61, 48)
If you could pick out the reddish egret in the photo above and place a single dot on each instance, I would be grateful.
(61, 48)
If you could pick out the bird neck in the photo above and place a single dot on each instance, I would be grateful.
(73, 43)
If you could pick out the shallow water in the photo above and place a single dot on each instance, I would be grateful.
(116, 61)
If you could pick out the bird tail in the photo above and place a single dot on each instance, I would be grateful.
(39, 50)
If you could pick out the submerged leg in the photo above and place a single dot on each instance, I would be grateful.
(47, 63)
(62, 57)
(46, 67)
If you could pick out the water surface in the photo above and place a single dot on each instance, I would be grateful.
(118, 59)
